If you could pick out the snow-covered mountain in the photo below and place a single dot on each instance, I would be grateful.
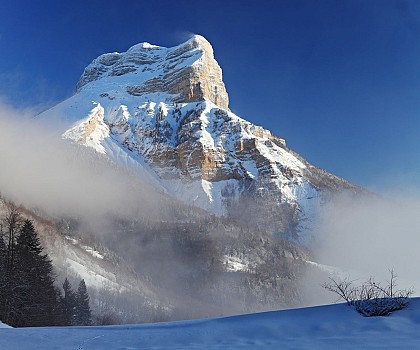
(227, 230)
(164, 113)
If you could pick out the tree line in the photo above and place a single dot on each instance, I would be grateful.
(28, 294)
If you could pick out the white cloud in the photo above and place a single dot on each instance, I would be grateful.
(370, 235)
(39, 169)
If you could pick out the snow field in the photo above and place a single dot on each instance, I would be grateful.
(323, 327)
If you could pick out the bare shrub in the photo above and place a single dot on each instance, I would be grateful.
(371, 298)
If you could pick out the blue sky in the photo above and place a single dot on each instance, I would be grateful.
(340, 80)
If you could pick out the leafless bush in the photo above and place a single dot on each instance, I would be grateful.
(371, 298)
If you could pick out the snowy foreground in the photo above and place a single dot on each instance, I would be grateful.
(325, 327)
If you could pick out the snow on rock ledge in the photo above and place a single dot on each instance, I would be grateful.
(164, 113)
(189, 71)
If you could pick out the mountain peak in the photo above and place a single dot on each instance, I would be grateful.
(199, 42)
(163, 112)
(187, 72)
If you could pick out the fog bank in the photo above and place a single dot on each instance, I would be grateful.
(39, 169)
(369, 235)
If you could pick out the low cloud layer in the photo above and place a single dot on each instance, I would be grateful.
(364, 236)
(39, 169)
(369, 235)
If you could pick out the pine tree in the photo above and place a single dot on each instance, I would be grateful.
(37, 299)
(83, 313)
(69, 304)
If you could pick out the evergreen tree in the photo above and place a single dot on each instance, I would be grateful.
(69, 304)
(38, 300)
(83, 313)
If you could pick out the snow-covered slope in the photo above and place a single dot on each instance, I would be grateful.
(102, 269)
(325, 327)
(163, 112)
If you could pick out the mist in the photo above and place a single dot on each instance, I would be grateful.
(40, 170)
(361, 236)
(368, 235)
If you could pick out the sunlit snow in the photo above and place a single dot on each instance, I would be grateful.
(326, 327)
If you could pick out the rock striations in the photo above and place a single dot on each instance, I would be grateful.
(165, 112)
(189, 71)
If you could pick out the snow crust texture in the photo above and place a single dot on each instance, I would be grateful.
(325, 327)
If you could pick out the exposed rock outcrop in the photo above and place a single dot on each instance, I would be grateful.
(167, 109)
(187, 72)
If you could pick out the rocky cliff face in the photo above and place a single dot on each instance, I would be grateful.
(165, 110)
(188, 72)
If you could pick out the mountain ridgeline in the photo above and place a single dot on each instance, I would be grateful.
(233, 205)
(165, 110)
